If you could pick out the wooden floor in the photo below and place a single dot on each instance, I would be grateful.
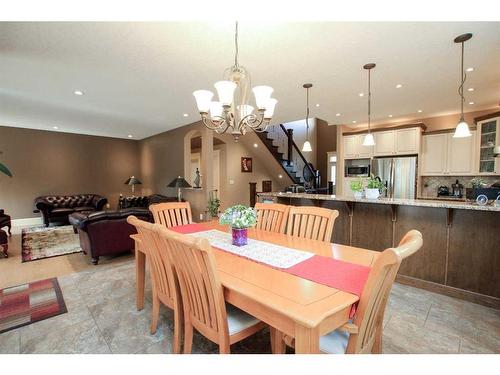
(102, 317)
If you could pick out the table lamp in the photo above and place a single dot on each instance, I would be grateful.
(179, 182)
(132, 181)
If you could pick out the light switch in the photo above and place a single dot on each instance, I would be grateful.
(231, 182)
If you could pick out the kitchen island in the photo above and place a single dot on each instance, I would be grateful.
(461, 252)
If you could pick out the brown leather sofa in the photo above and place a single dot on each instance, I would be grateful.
(144, 200)
(57, 208)
(106, 232)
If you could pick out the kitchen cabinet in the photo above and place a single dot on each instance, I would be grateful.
(397, 142)
(354, 149)
(444, 155)
(488, 138)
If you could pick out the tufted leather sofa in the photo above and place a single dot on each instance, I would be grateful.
(107, 232)
(57, 208)
(144, 200)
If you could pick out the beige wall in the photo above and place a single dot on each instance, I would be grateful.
(326, 142)
(44, 162)
(432, 123)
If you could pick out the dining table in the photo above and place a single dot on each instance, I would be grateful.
(289, 304)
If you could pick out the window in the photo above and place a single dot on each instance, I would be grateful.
(332, 167)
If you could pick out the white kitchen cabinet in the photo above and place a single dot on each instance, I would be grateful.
(397, 142)
(488, 136)
(385, 143)
(444, 155)
(354, 149)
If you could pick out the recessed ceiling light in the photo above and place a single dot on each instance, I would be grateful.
(361, 94)
(130, 135)
(337, 114)
(185, 115)
(317, 105)
(255, 145)
(390, 115)
(471, 103)
(470, 89)
(399, 85)
(280, 176)
(353, 121)
(471, 69)
(78, 92)
(55, 127)
(419, 111)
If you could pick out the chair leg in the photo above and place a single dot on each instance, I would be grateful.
(277, 343)
(377, 345)
(177, 331)
(8, 230)
(188, 337)
(155, 314)
(95, 260)
(224, 348)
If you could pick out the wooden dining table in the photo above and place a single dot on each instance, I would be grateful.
(289, 304)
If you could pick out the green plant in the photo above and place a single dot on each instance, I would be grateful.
(478, 182)
(375, 183)
(239, 217)
(357, 185)
(213, 206)
(5, 170)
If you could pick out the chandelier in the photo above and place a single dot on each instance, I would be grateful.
(232, 111)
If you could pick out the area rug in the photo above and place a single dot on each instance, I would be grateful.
(43, 242)
(29, 303)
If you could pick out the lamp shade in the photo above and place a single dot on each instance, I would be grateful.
(262, 95)
(462, 130)
(216, 109)
(271, 104)
(133, 181)
(245, 110)
(203, 100)
(306, 147)
(179, 182)
(369, 140)
(225, 90)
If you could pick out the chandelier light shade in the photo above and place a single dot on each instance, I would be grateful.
(369, 139)
(462, 130)
(306, 147)
(233, 111)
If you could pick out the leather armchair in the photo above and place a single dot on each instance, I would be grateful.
(144, 200)
(57, 208)
(107, 232)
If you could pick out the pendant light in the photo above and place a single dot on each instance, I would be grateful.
(369, 140)
(307, 145)
(462, 130)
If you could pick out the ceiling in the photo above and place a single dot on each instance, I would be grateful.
(138, 78)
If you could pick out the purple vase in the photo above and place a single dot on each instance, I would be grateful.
(240, 237)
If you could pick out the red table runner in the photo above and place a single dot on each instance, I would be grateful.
(348, 277)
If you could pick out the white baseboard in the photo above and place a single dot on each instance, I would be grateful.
(18, 224)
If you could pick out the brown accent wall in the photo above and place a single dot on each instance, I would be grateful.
(326, 142)
(45, 162)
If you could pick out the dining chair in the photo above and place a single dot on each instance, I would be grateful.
(271, 217)
(164, 282)
(202, 294)
(363, 335)
(314, 223)
(172, 214)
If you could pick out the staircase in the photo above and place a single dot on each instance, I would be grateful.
(279, 141)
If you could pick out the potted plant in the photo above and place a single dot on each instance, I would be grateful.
(240, 218)
(357, 187)
(4, 169)
(478, 182)
(373, 187)
(213, 204)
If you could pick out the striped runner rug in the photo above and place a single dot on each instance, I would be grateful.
(29, 303)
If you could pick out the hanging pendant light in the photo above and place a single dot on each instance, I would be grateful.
(462, 130)
(369, 140)
(307, 145)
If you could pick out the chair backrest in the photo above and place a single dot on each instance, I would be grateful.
(172, 214)
(162, 271)
(201, 290)
(314, 223)
(370, 311)
(271, 217)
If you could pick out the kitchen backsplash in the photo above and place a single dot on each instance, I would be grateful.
(430, 184)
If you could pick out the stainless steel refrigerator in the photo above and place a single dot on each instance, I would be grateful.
(399, 175)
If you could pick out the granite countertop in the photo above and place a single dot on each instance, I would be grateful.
(446, 203)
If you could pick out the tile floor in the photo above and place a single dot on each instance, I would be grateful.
(102, 318)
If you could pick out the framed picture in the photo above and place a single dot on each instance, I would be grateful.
(246, 165)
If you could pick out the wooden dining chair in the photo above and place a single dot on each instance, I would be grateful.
(202, 294)
(314, 223)
(364, 334)
(172, 214)
(165, 286)
(271, 217)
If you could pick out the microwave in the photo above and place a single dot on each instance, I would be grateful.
(357, 171)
